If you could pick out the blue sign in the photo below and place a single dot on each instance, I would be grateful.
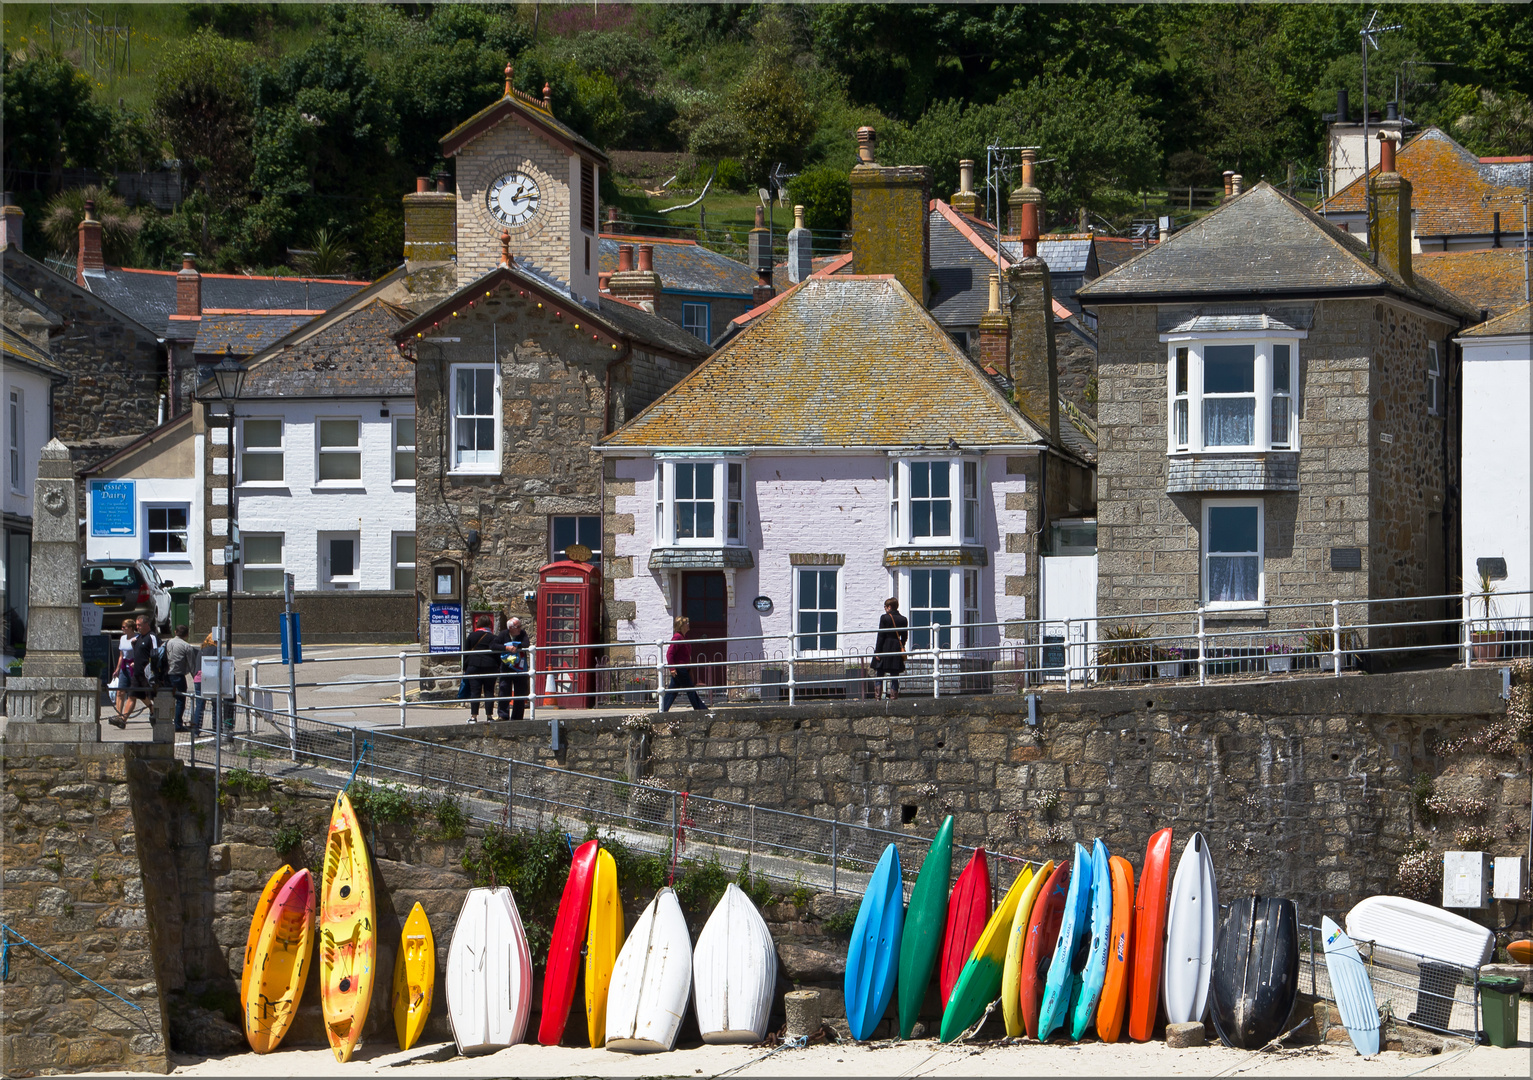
(446, 627)
(296, 637)
(113, 508)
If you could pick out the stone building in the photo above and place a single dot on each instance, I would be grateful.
(1278, 422)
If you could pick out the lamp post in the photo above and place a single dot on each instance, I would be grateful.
(227, 380)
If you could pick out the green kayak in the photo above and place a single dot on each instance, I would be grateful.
(925, 921)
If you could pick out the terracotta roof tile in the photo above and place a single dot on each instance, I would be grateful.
(1516, 321)
(1491, 279)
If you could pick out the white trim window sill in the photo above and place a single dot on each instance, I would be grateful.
(257, 488)
(1244, 611)
(335, 489)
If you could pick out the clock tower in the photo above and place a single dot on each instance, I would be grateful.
(521, 171)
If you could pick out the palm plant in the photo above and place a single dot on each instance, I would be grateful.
(326, 256)
(119, 224)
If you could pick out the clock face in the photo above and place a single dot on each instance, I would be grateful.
(514, 198)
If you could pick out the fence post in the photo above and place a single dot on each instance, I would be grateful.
(750, 852)
(835, 858)
(659, 674)
(1336, 637)
(1202, 649)
(403, 687)
(675, 825)
(532, 689)
(936, 665)
(510, 813)
(353, 761)
(1068, 680)
(1468, 629)
(792, 676)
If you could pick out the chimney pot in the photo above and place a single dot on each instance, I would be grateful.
(441, 181)
(1386, 152)
(88, 254)
(1229, 180)
(995, 295)
(1236, 183)
(422, 184)
(760, 217)
(1341, 105)
(1391, 111)
(647, 258)
(798, 217)
(639, 285)
(624, 258)
(966, 176)
(612, 218)
(867, 145)
(548, 99)
(1028, 157)
(800, 249)
(90, 209)
(13, 222)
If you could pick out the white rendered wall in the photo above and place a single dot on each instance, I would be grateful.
(184, 571)
(1498, 445)
(300, 508)
(34, 434)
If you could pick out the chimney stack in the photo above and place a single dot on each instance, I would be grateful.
(431, 223)
(1389, 234)
(891, 232)
(1342, 106)
(995, 333)
(964, 200)
(88, 255)
(612, 219)
(11, 237)
(1229, 182)
(760, 254)
(1033, 366)
(1026, 206)
(624, 258)
(1236, 183)
(189, 288)
(639, 286)
(800, 248)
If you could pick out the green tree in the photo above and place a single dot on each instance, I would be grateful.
(825, 193)
(51, 121)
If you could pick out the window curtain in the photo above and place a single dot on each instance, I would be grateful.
(1233, 578)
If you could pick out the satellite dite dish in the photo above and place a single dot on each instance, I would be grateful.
(577, 553)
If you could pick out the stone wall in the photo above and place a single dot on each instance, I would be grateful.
(327, 617)
(84, 877)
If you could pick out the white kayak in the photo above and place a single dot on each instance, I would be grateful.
(1409, 926)
(489, 973)
(1190, 934)
(734, 971)
(651, 980)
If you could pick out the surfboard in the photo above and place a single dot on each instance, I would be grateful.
(1190, 918)
(980, 981)
(968, 911)
(1255, 979)
(414, 977)
(872, 959)
(1016, 946)
(1352, 987)
(1042, 936)
(258, 923)
(348, 925)
(279, 970)
(1087, 991)
(563, 967)
(1114, 1003)
(651, 980)
(1068, 959)
(489, 973)
(925, 921)
(734, 972)
(604, 937)
(1149, 938)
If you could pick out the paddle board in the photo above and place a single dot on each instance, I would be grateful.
(1114, 1001)
(1255, 978)
(734, 972)
(604, 937)
(279, 969)
(872, 958)
(1190, 918)
(1149, 938)
(489, 973)
(563, 966)
(980, 980)
(348, 947)
(968, 911)
(925, 921)
(1352, 987)
(1088, 989)
(651, 980)
(414, 977)
(1016, 946)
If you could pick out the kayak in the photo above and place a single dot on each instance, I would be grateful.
(1065, 966)
(1088, 989)
(348, 931)
(1016, 946)
(1042, 935)
(967, 913)
(604, 937)
(872, 959)
(1149, 938)
(980, 981)
(1114, 1001)
(414, 977)
(280, 969)
(563, 966)
(925, 920)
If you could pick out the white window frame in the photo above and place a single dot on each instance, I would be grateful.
(1260, 553)
(263, 568)
(279, 451)
(963, 511)
(326, 578)
(953, 628)
(323, 453)
(398, 448)
(481, 467)
(149, 533)
(1434, 380)
(1192, 400)
(398, 564)
(16, 442)
(729, 521)
(799, 608)
(690, 308)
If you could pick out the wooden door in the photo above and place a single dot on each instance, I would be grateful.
(704, 600)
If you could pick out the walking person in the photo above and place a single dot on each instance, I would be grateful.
(515, 680)
(678, 658)
(122, 675)
(889, 649)
(138, 658)
(182, 659)
(481, 662)
(200, 703)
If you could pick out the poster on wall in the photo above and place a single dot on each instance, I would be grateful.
(113, 509)
(446, 622)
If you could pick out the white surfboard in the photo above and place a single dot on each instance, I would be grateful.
(489, 973)
(1190, 934)
(734, 971)
(1401, 925)
(651, 980)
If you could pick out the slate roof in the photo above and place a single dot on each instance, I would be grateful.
(1260, 243)
(837, 361)
(1113, 251)
(1452, 191)
(1490, 279)
(963, 258)
(149, 296)
(245, 335)
(17, 348)
(686, 266)
(353, 357)
(1517, 321)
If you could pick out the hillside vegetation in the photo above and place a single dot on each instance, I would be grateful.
(298, 126)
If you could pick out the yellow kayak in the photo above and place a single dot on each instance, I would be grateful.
(280, 969)
(981, 978)
(414, 977)
(258, 923)
(347, 932)
(1016, 944)
(604, 937)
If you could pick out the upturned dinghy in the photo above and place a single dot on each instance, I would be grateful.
(1255, 978)
(489, 973)
(734, 971)
(1190, 934)
(651, 980)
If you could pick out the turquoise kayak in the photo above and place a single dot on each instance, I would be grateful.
(872, 961)
(1088, 991)
(1064, 968)
(924, 923)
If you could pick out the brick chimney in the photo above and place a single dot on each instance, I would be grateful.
(88, 254)
(431, 223)
(1389, 234)
(1033, 366)
(759, 249)
(995, 333)
(1229, 182)
(800, 248)
(1027, 205)
(11, 237)
(891, 233)
(639, 286)
(189, 288)
(624, 258)
(964, 200)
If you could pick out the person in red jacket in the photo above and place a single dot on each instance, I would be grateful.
(678, 658)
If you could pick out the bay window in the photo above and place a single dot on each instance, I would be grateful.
(699, 503)
(939, 600)
(1231, 394)
(922, 498)
(1233, 552)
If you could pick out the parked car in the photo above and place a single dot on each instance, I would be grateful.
(126, 589)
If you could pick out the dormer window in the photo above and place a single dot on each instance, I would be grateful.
(699, 503)
(934, 502)
(1231, 394)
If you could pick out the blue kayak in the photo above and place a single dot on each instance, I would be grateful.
(1069, 950)
(873, 959)
(1088, 991)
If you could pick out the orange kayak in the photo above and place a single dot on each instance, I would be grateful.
(258, 922)
(967, 913)
(1114, 1001)
(348, 925)
(280, 970)
(1521, 951)
(1149, 938)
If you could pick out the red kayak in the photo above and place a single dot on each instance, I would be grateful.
(564, 949)
(1042, 936)
(968, 910)
(1149, 938)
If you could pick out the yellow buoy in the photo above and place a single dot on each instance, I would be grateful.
(280, 967)
(258, 922)
(604, 937)
(414, 977)
(347, 932)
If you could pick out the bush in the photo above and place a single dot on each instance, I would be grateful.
(731, 176)
(243, 781)
(288, 837)
(388, 804)
(450, 818)
(825, 193)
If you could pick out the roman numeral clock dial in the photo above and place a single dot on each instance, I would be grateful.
(514, 198)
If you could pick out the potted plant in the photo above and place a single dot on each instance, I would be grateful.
(1168, 662)
(1320, 641)
(1486, 642)
(1279, 658)
(1124, 653)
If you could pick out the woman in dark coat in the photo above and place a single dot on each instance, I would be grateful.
(889, 648)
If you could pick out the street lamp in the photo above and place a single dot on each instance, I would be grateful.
(227, 380)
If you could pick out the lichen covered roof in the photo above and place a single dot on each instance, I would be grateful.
(687, 265)
(17, 348)
(245, 334)
(1515, 321)
(353, 357)
(838, 361)
(1491, 279)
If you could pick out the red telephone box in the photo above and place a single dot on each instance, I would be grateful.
(569, 610)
